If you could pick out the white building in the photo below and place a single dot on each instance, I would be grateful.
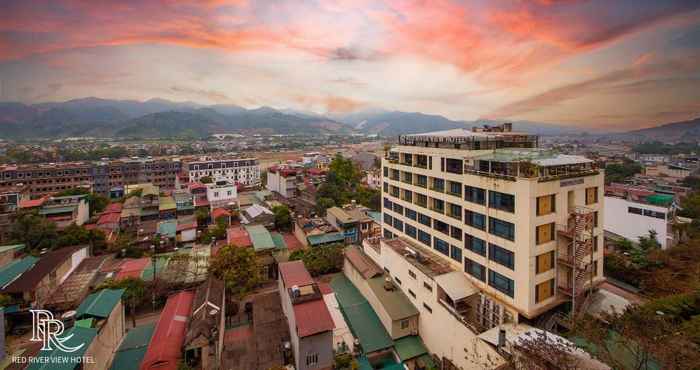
(283, 180)
(221, 193)
(631, 219)
(522, 223)
(244, 171)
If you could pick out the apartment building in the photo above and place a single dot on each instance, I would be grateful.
(10, 200)
(522, 223)
(284, 180)
(244, 171)
(222, 193)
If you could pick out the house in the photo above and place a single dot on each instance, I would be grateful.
(149, 196)
(396, 312)
(36, 285)
(165, 349)
(283, 179)
(184, 202)
(12, 270)
(167, 208)
(130, 216)
(76, 287)
(310, 323)
(132, 349)
(221, 213)
(104, 311)
(205, 335)
(186, 229)
(10, 199)
(222, 193)
(66, 210)
(199, 195)
(9, 253)
(352, 220)
(316, 232)
(257, 214)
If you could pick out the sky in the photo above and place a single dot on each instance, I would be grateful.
(607, 64)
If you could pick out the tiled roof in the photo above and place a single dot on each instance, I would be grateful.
(113, 208)
(31, 203)
(292, 242)
(294, 273)
(220, 212)
(109, 218)
(312, 318)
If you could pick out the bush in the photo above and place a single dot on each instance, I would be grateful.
(320, 260)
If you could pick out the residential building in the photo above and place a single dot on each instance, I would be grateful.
(165, 350)
(676, 172)
(184, 202)
(472, 196)
(284, 179)
(352, 220)
(10, 199)
(310, 323)
(634, 211)
(104, 312)
(222, 193)
(205, 335)
(244, 171)
(47, 178)
(66, 210)
(132, 349)
(316, 232)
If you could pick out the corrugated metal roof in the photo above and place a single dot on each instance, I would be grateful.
(133, 268)
(363, 321)
(133, 348)
(99, 304)
(278, 240)
(14, 269)
(312, 318)
(326, 238)
(46, 264)
(6, 248)
(294, 273)
(260, 237)
(166, 203)
(67, 360)
(167, 228)
(409, 347)
(164, 350)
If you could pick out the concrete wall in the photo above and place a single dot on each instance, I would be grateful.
(320, 344)
(620, 221)
(289, 313)
(108, 338)
(83, 212)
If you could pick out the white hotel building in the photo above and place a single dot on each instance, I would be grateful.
(521, 224)
(244, 171)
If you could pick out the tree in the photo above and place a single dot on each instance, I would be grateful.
(322, 204)
(34, 231)
(202, 216)
(621, 172)
(77, 235)
(134, 291)
(238, 268)
(690, 205)
(283, 218)
(320, 260)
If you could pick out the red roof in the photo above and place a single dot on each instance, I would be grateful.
(292, 242)
(312, 318)
(220, 212)
(200, 202)
(186, 226)
(295, 273)
(33, 202)
(133, 268)
(325, 288)
(238, 236)
(164, 351)
(109, 218)
(197, 185)
(113, 208)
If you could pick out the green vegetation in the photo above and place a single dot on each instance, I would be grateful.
(621, 172)
(218, 232)
(657, 147)
(206, 180)
(238, 268)
(202, 216)
(34, 231)
(78, 235)
(320, 260)
(692, 182)
(283, 217)
(343, 185)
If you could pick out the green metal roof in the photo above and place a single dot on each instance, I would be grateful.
(133, 348)
(278, 239)
(161, 264)
(361, 318)
(409, 347)
(6, 248)
(660, 199)
(55, 210)
(60, 360)
(99, 304)
(325, 238)
(16, 268)
(260, 237)
(85, 323)
(168, 228)
(394, 301)
(376, 216)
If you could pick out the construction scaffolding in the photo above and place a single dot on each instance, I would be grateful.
(575, 257)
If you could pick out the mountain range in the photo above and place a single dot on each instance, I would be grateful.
(163, 118)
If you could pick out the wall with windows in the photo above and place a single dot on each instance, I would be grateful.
(632, 220)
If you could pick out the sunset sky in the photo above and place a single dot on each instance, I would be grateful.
(609, 64)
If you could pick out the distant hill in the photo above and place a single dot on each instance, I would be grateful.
(671, 132)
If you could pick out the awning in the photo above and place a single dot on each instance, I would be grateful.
(456, 285)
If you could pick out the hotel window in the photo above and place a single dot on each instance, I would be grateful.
(411, 214)
(454, 211)
(410, 231)
(592, 195)
(544, 290)
(456, 232)
(454, 166)
(422, 181)
(441, 246)
(546, 204)
(397, 280)
(545, 262)
(501, 228)
(425, 220)
(421, 200)
(502, 201)
(398, 208)
(441, 227)
(411, 274)
(475, 244)
(398, 224)
(395, 175)
(386, 187)
(412, 293)
(388, 219)
(455, 188)
(544, 234)
(501, 256)
(475, 219)
(424, 237)
(394, 191)
(438, 184)
(595, 219)
(427, 286)
(438, 205)
(474, 269)
(474, 195)
(456, 253)
(427, 308)
(408, 196)
(501, 283)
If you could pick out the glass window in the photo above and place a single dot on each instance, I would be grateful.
(501, 283)
(424, 237)
(408, 196)
(425, 220)
(455, 188)
(454, 166)
(410, 230)
(475, 219)
(398, 208)
(474, 195)
(456, 253)
(438, 205)
(474, 269)
(501, 228)
(502, 201)
(441, 246)
(441, 227)
(475, 244)
(388, 234)
(386, 187)
(438, 184)
(456, 232)
(592, 195)
(411, 214)
(635, 210)
(388, 219)
(421, 180)
(398, 224)
(454, 211)
(501, 256)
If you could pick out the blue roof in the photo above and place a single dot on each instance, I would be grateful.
(325, 238)
(14, 269)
